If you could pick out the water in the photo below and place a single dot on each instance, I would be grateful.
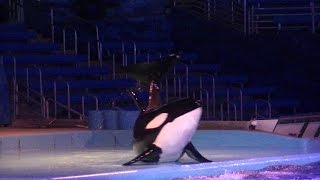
(235, 155)
(279, 172)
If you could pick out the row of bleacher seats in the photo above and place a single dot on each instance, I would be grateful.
(108, 86)
(36, 47)
(14, 36)
(282, 2)
(289, 14)
(49, 59)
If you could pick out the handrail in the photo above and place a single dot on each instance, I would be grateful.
(179, 85)
(207, 99)
(83, 117)
(265, 102)
(99, 52)
(40, 83)
(44, 101)
(186, 75)
(15, 97)
(213, 91)
(16, 10)
(64, 39)
(177, 77)
(228, 115)
(68, 96)
(241, 99)
(243, 14)
(201, 75)
(232, 12)
(83, 102)
(76, 19)
(263, 17)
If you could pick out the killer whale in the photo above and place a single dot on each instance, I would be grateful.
(163, 133)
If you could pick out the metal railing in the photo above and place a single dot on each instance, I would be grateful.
(36, 13)
(254, 17)
(265, 103)
(54, 23)
(228, 117)
(16, 10)
(283, 18)
(229, 12)
(40, 100)
(204, 102)
(240, 100)
(72, 25)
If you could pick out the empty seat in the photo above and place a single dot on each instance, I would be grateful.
(104, 98)
(295, 19)
(88, 84)
(282, 2)
(189, 58)
(201, 68)
(275, 103)
(143, 57)
(258, 90)
(247, 91)
(56, 71)
(154, 45)
(17, 36)
(118, 46)
(12, 27)
(29, 47)
(40, 59)
(227, 79)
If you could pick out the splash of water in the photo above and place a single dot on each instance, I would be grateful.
(279, 172)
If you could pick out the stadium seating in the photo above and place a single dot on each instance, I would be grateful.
(135, 40)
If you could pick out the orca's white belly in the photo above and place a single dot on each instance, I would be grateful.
(174, 136)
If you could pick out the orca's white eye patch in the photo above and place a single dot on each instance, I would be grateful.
(157, 121)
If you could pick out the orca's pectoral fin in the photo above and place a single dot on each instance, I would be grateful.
(151, 155)
(193, 153)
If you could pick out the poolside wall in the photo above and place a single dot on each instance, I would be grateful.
(224, 125)
(123, 139)
(65, 140)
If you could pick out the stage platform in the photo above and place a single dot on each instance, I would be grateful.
(87, 154)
